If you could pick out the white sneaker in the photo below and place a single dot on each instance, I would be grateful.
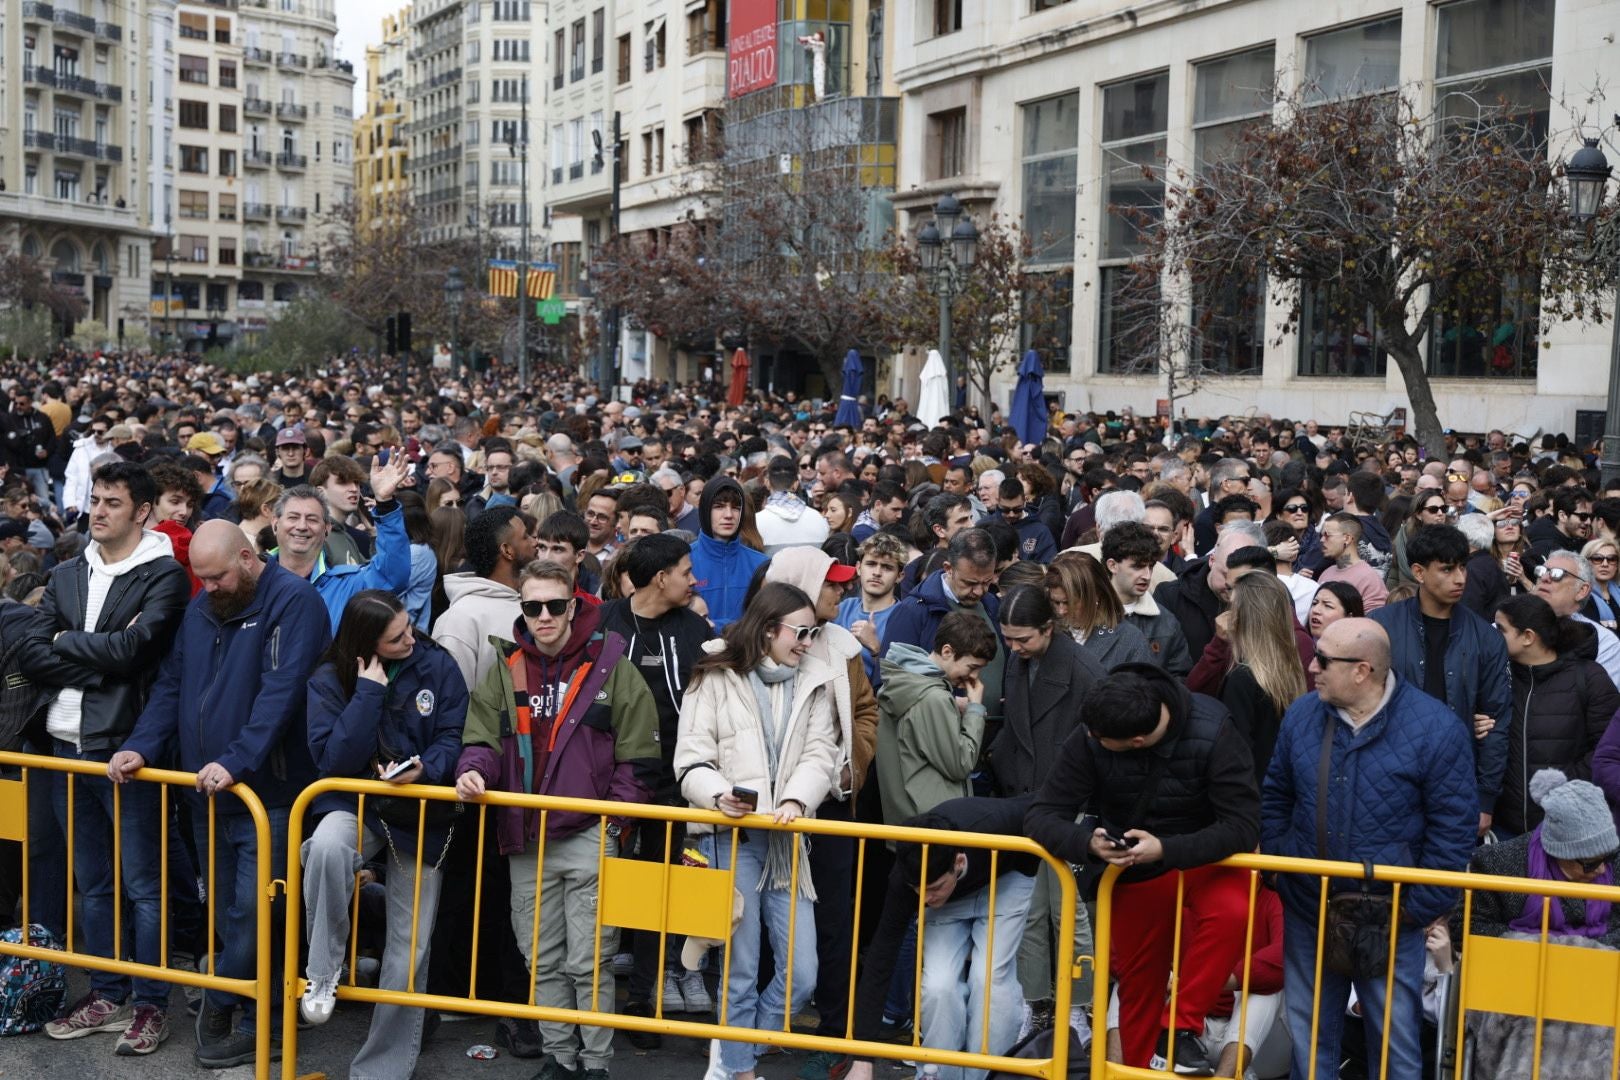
(1080, 1023)
(674, 1000)
(695, 993)
(623, 964)
(320, 998)
(1026, 1023)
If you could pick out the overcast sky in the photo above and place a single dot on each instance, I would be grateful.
(360, 24)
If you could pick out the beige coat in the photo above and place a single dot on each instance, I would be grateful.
(720, 743)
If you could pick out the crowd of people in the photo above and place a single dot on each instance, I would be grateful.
(1140, 647)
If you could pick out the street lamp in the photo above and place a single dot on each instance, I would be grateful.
(454, 290)
(948, 246)
(1587, 172)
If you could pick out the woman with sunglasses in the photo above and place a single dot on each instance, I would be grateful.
(1562, 703)
(1575, 842)
(757, 734)
(1603, 606)
(381, 698)
(1428, 508)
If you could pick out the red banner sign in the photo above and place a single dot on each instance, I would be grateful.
(751, 46)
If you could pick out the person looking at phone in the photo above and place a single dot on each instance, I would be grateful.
(758, 733)
(1162, 784)
(562, 712)
(383, 704)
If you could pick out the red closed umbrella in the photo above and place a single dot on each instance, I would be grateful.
(738, 390)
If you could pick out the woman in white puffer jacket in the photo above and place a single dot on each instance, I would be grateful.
(759, 716)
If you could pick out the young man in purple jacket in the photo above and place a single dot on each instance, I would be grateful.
(563, 713)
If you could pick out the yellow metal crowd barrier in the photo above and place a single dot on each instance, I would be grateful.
(14, 826)
(682, 900)
(1543, 981)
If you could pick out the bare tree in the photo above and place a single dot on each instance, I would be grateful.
(1406, 217)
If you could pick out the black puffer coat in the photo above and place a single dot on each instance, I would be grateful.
(1560, 711)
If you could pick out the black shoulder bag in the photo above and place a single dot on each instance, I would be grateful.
(1355, 942)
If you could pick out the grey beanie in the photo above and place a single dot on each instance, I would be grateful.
(1578, 822)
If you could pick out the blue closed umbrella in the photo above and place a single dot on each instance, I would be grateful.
(849, 405)
(1030, 414)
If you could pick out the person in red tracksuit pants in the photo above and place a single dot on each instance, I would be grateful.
(1166, 770)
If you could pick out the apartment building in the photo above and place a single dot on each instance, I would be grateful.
(381, 186)
(434, 84)
(1045, 111)
(81, 143)
(297, 154)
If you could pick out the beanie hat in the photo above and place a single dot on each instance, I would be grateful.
(1578, 822)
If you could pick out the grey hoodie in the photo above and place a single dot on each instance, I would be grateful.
(478, 608)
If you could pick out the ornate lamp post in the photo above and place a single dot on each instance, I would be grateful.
(948, 246)
(1587, 172)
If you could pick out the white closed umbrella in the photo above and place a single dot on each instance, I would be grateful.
(934, 403)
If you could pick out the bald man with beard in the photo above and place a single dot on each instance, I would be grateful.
(228, 705)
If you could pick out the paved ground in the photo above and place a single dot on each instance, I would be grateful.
(328, 1049)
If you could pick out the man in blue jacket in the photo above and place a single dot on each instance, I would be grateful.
(229, 705)
(1453, 655)
(962, 584)
(303, 521)
(1400, 792)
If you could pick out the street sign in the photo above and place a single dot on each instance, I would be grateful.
(552, 310)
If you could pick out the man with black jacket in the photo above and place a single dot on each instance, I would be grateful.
(1162, 785)
(30, 440)
(665, 639)
(114, 610)
(954, 931)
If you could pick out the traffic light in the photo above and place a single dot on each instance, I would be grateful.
(391, 345)
(404, 331)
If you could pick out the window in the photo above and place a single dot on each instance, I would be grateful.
(193, 204)
(705, 28)
(194, 69)
(227, 206)
(193, 27)
(653, 45)
(508, 49)
(227, 74)
(1233, 95)
(227, 118)
(558, 151)
(1135, 121)
(598, 40)
(67, 62)
(576, 147)
(947, 17)
(1495, 55)
(194, 159)
(646, 153)
(511, 11)
(512, 90)
(227, 163)
(576, 54)
(658, 149)
(222, 31)
(947, 136)
(194, 114)
(624, 59)
(67, 184)
(191, 249)
(559, 48)
(1051, 176)
(1047, 325)
(597, 147)
(1360, 59)
(505, 173)
(227, 252)
(1335, 340)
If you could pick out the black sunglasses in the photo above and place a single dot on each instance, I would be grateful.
(1592, 866)
(533, 608)
(1327, 661)
(1296, 508)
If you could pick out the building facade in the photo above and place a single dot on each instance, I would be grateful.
(381, 186)
(1045, 111)
(82, 142)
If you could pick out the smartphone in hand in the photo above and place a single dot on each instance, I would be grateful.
(746, 795)
(400, 768)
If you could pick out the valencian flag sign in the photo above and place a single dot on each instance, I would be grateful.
(503, 276)
(751, 47)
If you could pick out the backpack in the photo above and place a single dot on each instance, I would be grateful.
(31, 991)
(1038, 1044)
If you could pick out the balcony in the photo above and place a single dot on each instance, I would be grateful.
(109, 31)
(268, 260)
(35, 11)
(297, 162)
(292, 213)
(256, 211)
(443, 195)
(256, 159)
(288, 111)
(291, 60)
(444, 78)
(252, 54)
(72, 84)
(72, 20)
(255, 107)
(576, 170)
(72, 146)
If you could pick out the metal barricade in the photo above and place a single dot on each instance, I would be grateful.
(14, 826)
(667, 899)
(1497, 978)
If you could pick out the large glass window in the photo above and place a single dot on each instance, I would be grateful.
(1360, 59)
(1336, 339)
(1048, 323)
(1135, 120)
(1233, 95)
(1051, 176)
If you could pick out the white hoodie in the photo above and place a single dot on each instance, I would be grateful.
(64, 716)
(76, 480)
(785, 521)
(478, 608)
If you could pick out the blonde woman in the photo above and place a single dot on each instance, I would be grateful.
(1266, 675)
(1085, 602)
(1603, 606)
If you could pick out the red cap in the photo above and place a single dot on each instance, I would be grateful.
(839, 574)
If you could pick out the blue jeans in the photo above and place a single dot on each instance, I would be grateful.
(140, 862)
(234, 892)
(955, 937)
(747, 1006)
(1405, 1016)
(40, 481)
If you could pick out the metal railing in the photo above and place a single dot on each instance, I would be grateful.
(256, 106)
(286, 160)
(252, 54)
(256, 159)
(286, 110)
